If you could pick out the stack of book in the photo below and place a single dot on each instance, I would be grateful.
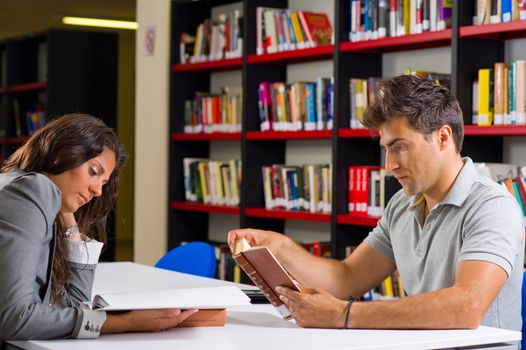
(208, 112)
(509, 177)
(498, 11)
(370, 189)
(212, 182)
(302, 188)
(499, 95)
(296, 106)
(374, 19)
(283, 30)
(362, 93)
(214, 40)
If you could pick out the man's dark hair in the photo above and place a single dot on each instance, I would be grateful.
(426, 105)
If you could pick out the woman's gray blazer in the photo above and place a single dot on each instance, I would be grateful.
(29, 203)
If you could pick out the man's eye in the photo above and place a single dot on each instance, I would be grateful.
(400, 148)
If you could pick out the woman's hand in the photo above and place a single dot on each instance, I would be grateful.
(145, 320)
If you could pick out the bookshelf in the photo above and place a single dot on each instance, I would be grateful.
(466, 48)
(61, 71)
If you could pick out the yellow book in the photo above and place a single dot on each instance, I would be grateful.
(237, 274)
(297, 28)
(234, 181)
(202, 179)
(388, 287)
(407, 21)
(485, 117)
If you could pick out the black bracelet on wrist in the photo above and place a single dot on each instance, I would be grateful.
(349, 304)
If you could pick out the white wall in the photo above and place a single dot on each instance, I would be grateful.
(151, 133)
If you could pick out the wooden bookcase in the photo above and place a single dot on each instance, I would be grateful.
(64, 71)
(74, 71)
(471, 48)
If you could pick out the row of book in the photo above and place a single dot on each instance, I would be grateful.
(510, 177)
(374, 19)
(301, 188)
(296, 106)
(499, 11)
(208, 112)
(283, 30)
(214, 40)
(212, 182)
(370, 189)
(32, 119)
(499, 95)
(362, 92)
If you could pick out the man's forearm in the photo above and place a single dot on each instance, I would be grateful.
(448, 308)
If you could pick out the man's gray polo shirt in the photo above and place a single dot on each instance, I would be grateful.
(478, 220)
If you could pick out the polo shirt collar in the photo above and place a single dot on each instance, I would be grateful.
(460, 190)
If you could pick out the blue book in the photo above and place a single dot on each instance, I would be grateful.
(329, 104)
(506, 10)
(293, 183)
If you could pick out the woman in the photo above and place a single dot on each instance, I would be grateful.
(56, 192)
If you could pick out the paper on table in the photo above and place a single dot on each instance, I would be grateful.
(188, 298)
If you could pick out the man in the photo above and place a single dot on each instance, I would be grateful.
(456, 238)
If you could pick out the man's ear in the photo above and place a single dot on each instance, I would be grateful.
(445, 136)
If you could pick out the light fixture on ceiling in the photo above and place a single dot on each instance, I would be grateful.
(98, 22)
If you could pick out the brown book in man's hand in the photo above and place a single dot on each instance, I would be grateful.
(265, 271)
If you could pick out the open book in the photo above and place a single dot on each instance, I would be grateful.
(187, 298)
(265, 271)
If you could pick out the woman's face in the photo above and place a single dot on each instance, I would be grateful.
(80, 184)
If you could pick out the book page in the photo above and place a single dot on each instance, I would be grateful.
(200, 298)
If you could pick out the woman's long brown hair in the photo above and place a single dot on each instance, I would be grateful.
(61, 145)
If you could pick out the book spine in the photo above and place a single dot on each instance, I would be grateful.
(261, 284)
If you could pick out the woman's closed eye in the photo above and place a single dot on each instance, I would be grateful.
(92, 171)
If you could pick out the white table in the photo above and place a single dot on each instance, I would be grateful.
(254, 327)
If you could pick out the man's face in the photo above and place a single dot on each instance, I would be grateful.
(412, 158)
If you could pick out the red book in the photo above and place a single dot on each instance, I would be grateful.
(319, 28)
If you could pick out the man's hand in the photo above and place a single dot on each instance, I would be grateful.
(314, 308)
(271, 240)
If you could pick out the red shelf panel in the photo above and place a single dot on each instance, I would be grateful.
(495, 130)
(181, 136)
(497, 31)
(228, 64)
(180, 205)
(281, 135)
(303, 55)
(286, 214)
(39, 85)
(15, 140)
(3, 90)
(348, 133)
(401, 43)
(357, 220)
